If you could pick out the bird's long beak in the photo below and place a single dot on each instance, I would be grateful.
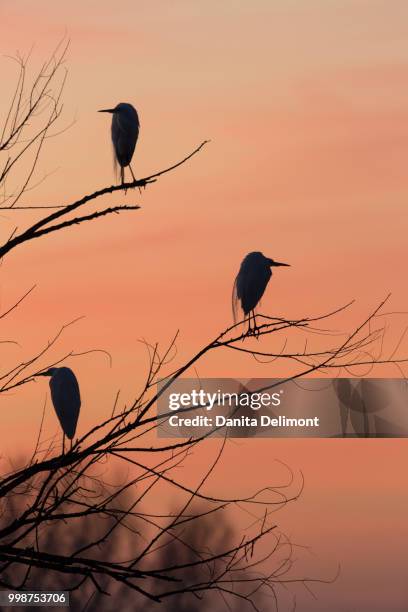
(107, 110)
(279, 263)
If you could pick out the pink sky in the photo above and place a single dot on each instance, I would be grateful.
(306, 106)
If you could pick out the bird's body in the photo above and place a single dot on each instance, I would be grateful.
(251, 282)
(125, 132)
(65, 397)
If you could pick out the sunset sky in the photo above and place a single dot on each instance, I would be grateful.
(305, 103)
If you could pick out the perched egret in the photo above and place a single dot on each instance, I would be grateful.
(250, 284)
(125, 131)
(65, 398)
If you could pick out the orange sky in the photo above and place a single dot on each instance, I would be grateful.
(306, 106)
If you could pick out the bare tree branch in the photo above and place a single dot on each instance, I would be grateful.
(36, 229)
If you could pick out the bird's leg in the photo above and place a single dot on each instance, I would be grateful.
(256, 328)
(122, 176)
(250, 331)
(254, 324)
(134, 178)
(253, 327)
(63, 444)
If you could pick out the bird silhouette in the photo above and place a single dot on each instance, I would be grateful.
(125, 132)
(250, 284)
(65, 397)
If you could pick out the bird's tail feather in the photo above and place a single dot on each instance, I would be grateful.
(235, 302)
